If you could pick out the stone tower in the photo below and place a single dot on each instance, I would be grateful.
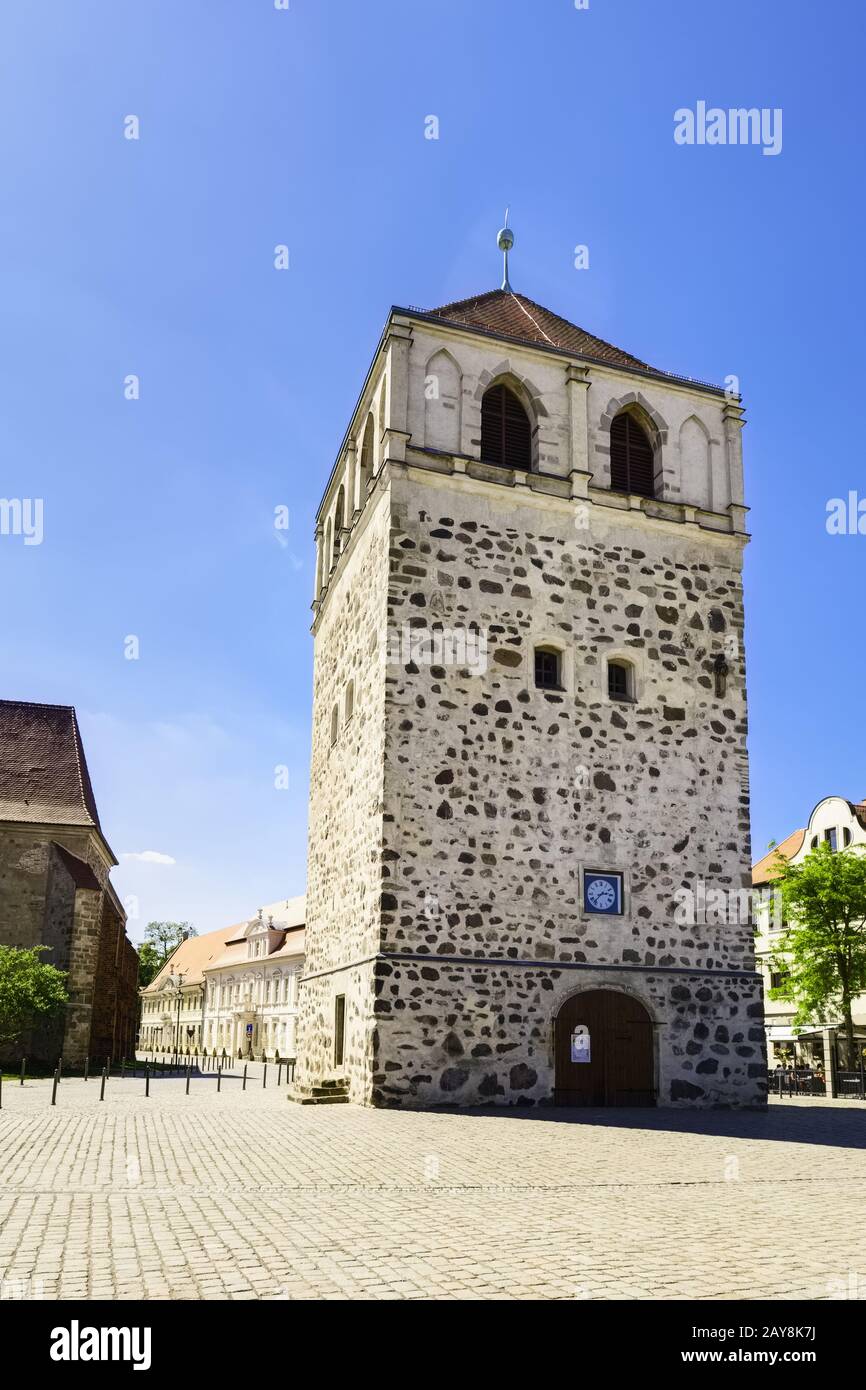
(529, 769)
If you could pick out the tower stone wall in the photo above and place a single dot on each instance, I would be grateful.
(454, 814)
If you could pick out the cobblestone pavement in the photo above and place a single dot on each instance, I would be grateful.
(244, 1195)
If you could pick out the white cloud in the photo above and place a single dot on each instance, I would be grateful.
(150, 856)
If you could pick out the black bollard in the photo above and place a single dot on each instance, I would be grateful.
(87, 1069)
(244, 1085)
(188, 1069)
(54, 1087)
(146, 1079)
(265, 1075)
(102, 1086)
(219, 1078)
(23, 1069)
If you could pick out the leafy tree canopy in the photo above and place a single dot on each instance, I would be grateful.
(822, 950)
(31, 992)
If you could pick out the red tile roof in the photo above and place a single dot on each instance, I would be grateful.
(43, 771)
(765, 870)
(510, 315)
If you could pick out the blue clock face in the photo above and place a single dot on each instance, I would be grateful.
(602, 893)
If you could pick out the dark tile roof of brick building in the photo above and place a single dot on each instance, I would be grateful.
(43, 771)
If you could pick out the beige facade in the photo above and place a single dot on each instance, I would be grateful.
(456, 810)
(232, 990)
(839, 823)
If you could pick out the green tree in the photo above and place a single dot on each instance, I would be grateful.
(822, 951)
(148, 963)
(163, 938)
(31, 992)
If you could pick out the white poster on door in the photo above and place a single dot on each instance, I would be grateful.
(580, 1045)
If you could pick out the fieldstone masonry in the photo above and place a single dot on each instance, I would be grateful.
(452, 814)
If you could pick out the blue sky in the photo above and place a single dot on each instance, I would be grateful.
(155, 257)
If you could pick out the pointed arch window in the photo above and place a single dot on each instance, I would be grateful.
(632, 467)
(367, 455)
(506, 434)
(339, 523)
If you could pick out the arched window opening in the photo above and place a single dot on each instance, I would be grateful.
(548, 668)
(846, 837)
(620, 685)
(632, 466)
(506, 434)
(349, 703)
(338, 523)
(335, 724)
(367, 455)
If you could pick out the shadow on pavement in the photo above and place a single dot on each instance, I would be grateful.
(788, 1123)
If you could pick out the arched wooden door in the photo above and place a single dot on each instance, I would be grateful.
(603, 1051)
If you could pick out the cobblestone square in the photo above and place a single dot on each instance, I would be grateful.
(242, 1195)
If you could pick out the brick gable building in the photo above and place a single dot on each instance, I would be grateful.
(55, 889)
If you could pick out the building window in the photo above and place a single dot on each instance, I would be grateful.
(548, 668)
(339, 522)
(367, 456)
(778, 979)
(349, 705)
(339, 1029)
(335, 724)
(506, 434)
(720, 675)
(814, 842)
(619, 681)
(831, 839)
(632, 468)
(846, 837)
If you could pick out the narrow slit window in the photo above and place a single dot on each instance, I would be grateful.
(339, 1029)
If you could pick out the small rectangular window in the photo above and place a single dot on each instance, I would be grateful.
(618, 681)
(339, 1028)
(548, 665)
(831, 839)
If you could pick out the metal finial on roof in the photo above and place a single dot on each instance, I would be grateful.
(505, 241)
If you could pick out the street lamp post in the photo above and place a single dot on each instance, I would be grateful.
(177, 985)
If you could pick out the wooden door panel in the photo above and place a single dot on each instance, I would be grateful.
(619, 1069)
